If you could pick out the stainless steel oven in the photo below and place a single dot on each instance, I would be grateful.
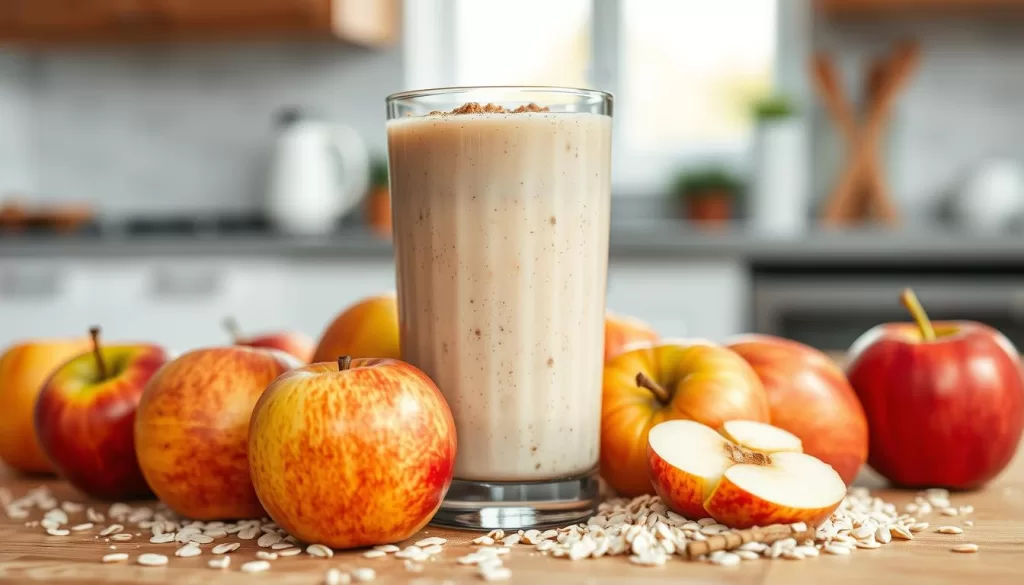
(829, 311)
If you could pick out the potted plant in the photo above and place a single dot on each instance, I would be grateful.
(378, 204)
(708, 195)
(779, 169)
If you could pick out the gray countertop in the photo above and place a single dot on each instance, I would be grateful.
(648, 239)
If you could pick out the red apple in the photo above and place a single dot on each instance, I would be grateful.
(762, 481)
(192, 427)
(944, 401)
(24, 368)
(352, 453)
(85, 417)
(623, 333)
(691, 379)
(809, 396)
(293, 342)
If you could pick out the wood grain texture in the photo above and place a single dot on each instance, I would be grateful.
(30, 555)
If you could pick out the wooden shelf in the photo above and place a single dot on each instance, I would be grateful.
(64, 23)
(922, 8)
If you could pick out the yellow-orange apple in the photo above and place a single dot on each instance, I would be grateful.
(695, 380)
(192, 427)
(809, 396)
(698, 472)
(85, 417)
(294, 342)
(352, 453)
(621, 333)
(23, 370)
(367, 329)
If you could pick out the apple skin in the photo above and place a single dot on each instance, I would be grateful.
(352, 458)
(24, 368)
(291, 342)
(945, 413)
(739, 509)
(622, 333)
(676, 490)
(87, 429)
(809, 396)
(192, 426)
(707, 383)
(367, 329)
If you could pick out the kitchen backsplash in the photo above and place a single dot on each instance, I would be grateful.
(961, 107)
(189, 127)
(170, 128)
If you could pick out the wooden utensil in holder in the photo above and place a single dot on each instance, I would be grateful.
(861, 190)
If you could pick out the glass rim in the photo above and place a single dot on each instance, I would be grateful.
(452, 90)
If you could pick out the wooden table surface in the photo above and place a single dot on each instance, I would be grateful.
(29, 554)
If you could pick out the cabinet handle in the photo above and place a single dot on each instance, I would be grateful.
(31, 284)
(172, 284)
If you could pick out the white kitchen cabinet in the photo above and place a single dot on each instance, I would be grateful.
(41, 298)
(319, 289)
(680, 297)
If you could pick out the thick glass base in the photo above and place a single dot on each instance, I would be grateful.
(478, 505)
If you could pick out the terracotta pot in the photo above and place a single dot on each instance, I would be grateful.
(714, 208)
(378, 211)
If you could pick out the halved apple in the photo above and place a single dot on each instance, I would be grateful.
(761, 436)
(751, 474)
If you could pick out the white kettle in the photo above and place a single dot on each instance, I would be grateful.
(320, 171)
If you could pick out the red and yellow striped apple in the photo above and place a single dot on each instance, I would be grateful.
(352, 453)
(367, 329)
(762, 480)
(622, 333)
(23, 370)
(694, 380)
(293, 342)
(85, 417)
(192, 427)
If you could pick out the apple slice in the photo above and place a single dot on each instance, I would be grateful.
(699, 472)
(761, 437)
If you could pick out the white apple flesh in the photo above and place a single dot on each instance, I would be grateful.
(698, 472)
(761, 437)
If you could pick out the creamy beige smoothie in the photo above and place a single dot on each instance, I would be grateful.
(501, 244)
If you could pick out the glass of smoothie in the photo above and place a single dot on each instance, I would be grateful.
(500, 209)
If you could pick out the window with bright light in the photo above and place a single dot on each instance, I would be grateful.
(528, 42)
(684, 72)
(690, 68)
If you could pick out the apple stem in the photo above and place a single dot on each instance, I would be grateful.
(660, 393)
(909, 300)
(231, 325)
(94, 332)
(344, 363)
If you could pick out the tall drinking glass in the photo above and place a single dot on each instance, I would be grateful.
(500, 199)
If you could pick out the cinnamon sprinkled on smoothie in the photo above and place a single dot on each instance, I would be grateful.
(476, 108)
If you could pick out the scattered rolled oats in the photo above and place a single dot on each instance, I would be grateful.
(965, 548)
(225, 548)
(254, 566)
(219, 563)
(115, 557)
(431, 541)
(336, 577)
(364, 574)
(151, 560)
(949, 530)
(374, 554)
(388, 548)
(319, 550)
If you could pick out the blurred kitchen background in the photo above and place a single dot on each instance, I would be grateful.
(782, 166)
